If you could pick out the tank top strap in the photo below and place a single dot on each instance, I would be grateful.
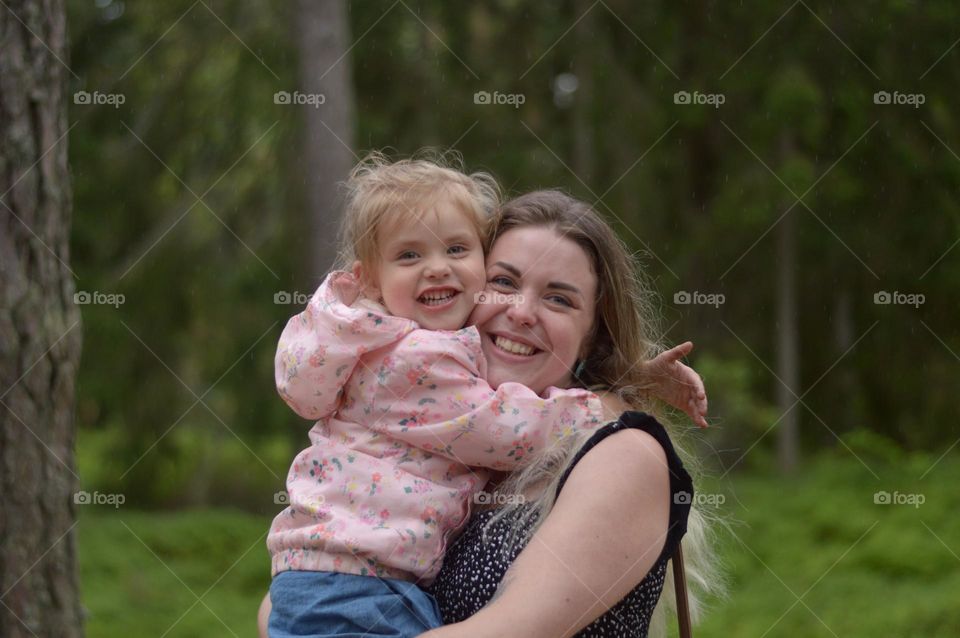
(681, 485)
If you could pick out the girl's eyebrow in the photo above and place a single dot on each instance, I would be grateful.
(461, 237)
(513, 270)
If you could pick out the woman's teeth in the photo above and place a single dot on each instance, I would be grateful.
(437, 298)
(512, 346)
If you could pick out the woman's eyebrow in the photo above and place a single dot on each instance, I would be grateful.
(559, 285)
(562, 286)
(513, 270)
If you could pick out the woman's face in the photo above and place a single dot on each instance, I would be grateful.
(539, 308)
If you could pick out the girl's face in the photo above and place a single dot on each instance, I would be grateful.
(430, 270)
(539, 308)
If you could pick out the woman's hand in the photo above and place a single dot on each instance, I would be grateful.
(678, 384)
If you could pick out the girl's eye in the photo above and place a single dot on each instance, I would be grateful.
(457, 250)
(408, 254)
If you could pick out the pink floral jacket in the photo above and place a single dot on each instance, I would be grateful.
(403, 415)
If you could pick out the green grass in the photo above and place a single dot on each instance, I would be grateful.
(861, 569)
(143, 572)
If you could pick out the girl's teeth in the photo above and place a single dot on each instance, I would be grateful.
(513, 347)
(437, 298)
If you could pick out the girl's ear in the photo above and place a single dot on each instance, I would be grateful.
(367, 284)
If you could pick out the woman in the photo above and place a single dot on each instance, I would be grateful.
(578, 551)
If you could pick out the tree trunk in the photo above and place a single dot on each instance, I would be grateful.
(39, 329)
(324, 37)
(583, 61)
(788, 336)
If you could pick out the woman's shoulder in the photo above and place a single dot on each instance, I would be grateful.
(631, 465)
(635, 435)
(626, 466)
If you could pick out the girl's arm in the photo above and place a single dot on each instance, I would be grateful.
(678, 384)
(321, 346)
(435, 399)
(602, 537)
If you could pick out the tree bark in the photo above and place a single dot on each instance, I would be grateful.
(40, 331)
(325, 68)
(583, 62)
(788, 335)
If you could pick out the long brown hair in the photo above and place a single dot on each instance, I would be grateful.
(622, 338)
(624, 328)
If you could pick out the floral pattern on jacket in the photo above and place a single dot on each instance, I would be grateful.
(405, 422)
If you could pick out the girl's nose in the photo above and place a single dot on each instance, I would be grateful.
(437, 268)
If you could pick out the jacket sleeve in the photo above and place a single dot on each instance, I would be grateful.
(320, 347)
(441, 404)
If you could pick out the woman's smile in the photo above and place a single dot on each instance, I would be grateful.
(535, 338)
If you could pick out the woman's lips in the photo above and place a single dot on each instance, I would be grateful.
(510, 348)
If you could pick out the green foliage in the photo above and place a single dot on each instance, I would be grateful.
(690, 186)
(865, 569)
(141, 574)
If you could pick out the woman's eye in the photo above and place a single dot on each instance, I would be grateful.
(560, 299)
(501, 281)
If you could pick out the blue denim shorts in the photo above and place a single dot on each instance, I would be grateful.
(328, 605)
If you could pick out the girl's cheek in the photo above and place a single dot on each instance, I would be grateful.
(481, 314)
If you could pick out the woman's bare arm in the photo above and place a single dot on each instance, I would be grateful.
(604, 534)
(263, 616)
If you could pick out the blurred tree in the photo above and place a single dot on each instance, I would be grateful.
(39, 329)
(324, 40)
(691, 186)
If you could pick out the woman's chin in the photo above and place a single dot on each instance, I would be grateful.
(498, 373)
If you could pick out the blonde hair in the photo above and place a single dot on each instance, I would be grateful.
(623, 335)
(381, 193)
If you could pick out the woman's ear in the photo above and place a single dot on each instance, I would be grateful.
(367, 283)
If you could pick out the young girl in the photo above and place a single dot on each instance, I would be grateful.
(404, 416)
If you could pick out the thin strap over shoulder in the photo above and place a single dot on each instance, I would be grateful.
(681, 485)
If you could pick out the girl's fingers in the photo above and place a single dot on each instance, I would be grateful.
(678, 352)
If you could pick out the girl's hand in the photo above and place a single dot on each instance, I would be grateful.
(678, 384)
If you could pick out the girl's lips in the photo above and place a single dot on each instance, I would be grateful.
(438, 307)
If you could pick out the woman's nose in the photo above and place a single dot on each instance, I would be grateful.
(522, 311)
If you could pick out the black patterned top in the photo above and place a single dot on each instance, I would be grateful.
(474, 566)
